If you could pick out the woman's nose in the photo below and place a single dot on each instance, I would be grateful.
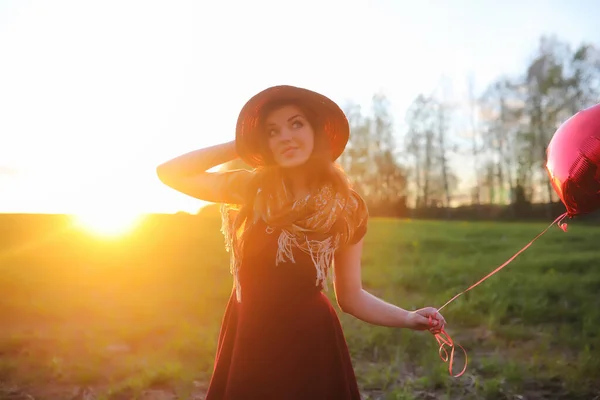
(285, 134)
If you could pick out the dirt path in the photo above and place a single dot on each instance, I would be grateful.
(59, 392)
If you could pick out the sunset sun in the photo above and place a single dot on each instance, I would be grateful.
(110, 224)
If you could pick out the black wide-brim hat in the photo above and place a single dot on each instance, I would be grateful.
(332, 120)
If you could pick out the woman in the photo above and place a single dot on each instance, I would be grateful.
(289, 224)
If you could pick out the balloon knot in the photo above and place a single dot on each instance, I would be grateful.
(560, 221)
(564, 226)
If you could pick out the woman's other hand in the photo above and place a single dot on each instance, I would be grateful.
(427, 318)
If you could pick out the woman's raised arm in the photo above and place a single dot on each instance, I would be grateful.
(189, 174)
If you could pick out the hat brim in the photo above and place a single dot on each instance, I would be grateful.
(334, 122)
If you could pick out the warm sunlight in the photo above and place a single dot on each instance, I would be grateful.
(108, 224)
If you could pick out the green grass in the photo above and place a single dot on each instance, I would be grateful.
(122, 316)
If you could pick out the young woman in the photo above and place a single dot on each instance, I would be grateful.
(290, 224)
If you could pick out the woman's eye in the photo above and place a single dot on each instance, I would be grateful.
(272, 132)
(297, 124)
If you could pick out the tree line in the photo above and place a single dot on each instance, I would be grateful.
(500, 135)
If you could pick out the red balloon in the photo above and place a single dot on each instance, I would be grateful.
(573, 162)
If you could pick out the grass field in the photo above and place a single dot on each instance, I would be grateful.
(139, 316)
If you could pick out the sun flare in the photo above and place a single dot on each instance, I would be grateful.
(107, 224)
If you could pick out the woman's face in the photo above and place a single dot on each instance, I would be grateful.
(290, 136)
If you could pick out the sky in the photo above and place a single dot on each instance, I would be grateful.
(93, 95)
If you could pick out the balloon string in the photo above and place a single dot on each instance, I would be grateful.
(444, 340)
(442, 336)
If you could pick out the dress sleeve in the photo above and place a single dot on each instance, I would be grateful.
(360, 232)
(360, 212)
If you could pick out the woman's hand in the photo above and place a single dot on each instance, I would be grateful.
(427, 318)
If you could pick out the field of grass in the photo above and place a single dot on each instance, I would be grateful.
(138, 317)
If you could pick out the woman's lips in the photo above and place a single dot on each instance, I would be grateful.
(289, 151)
